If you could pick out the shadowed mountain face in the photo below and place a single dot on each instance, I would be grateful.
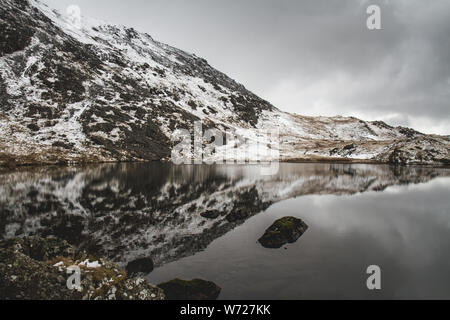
(129, 211)
(98, 92)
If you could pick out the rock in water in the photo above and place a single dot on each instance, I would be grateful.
(196, 289)
(283, 231)
(142, 265)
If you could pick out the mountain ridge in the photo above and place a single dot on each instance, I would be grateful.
(104, 93)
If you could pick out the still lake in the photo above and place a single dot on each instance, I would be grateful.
(205, 222)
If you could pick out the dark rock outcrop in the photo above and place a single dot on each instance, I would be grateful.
(196, 289)
(283, 231)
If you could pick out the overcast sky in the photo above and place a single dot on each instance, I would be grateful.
(311, 57)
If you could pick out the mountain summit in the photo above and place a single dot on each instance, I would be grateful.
(95, 92)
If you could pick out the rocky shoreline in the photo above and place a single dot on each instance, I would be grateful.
(34, 268)
(39, 269)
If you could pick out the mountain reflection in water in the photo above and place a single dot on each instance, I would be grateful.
(204, 221)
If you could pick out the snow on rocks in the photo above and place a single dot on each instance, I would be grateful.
(95, 92)
(45, 263)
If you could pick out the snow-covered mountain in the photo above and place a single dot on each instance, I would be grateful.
(96, 92)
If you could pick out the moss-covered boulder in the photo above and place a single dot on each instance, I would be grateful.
(37, 269)
(283, 231)
(196, 289)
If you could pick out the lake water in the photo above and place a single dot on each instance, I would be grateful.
(397, 218)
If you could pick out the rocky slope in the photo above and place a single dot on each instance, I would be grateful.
(109, 93)
(36, 269)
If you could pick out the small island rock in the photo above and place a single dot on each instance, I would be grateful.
(283, 231)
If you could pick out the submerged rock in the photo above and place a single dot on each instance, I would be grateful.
(283, 231)
(37, 269)
(196, 289)
(142, 265)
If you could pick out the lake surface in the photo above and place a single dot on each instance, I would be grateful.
(205, 222)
